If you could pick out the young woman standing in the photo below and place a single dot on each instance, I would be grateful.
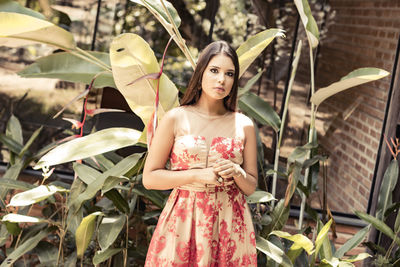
(212, 156)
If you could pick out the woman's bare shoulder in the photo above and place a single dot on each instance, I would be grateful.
(243, 119)
(173, 113)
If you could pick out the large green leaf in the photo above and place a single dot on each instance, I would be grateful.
(84, 233)
(34, 195)
(279, 215)
(251, 49)
(352, 242)
(387, 186)
(354, 78)
(101, 256)
(18, 218)
(11, 174)
(90, 145)
(358, 257)
(6, 183)
(273, 252)
(155, 196)
(293, 180)
(111, 182)
(308, 21)
(299, 241)
(156, 8)
(299, 153)
(14, 129)
(259, 197)
(325, 251)
(321, 238)
(47, 253)
(118, 200)
(260, 110)
(110, 228)
(25, 247)
(11, 144)
(15, 7)
(69, 67)
(250, 84)
(397, 223)
(131, 58)
(30, 141)
(120, 169)
(85, 173)
(19, 29)
(379, 225)
(3, 234)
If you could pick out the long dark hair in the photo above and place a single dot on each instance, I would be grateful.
(193, 91)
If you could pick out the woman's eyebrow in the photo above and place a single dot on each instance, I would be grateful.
(212, 66)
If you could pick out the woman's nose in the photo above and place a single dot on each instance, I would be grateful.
(221, 78)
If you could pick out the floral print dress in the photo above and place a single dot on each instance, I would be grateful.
(205, 225)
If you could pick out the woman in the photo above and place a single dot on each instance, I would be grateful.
(212, 153)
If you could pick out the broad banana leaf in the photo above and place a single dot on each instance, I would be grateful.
(308, 21)
(101, 255)
(131, 58)
(90, 145)
(19, 29)
(18, 218)
(273, 252)
(251, 49)
(260, 197)
(68, 67)
(85, 232)
(299, 241)
(25, 247)
(34, 195)
(14, 130)
(322, 235)
(110, 228)
(354, 78)
(352, 242)
(15, 7)
(387, 186)
(260, 110)
(157, 9)
(379, 225)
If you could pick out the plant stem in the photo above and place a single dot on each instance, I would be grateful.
(126, 241)
(62, 231)
(276, 165)
(310, 137)
(181, 42)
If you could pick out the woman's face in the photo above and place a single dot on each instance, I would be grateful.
(218, 77)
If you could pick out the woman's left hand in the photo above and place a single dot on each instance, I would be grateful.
(228, 169)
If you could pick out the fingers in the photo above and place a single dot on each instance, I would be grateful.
(225, 168)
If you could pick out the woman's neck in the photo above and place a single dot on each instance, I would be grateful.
(211, 108)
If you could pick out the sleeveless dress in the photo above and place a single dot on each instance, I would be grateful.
(204, 225)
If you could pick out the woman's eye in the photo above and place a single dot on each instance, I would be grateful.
(214, 70)
(230, 74)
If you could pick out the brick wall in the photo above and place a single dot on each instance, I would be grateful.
(361, 33)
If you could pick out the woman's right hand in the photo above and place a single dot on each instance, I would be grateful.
(207, 176)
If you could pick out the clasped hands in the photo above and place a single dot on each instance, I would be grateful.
(225, 169)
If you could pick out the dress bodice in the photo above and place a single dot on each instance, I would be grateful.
(200, 140)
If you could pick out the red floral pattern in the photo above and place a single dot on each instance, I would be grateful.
(207, 227)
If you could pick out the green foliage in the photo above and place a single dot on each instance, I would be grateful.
(109, 186)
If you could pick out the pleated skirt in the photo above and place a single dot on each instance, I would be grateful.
(204, 227)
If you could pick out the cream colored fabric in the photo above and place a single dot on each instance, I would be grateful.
(205, 226)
